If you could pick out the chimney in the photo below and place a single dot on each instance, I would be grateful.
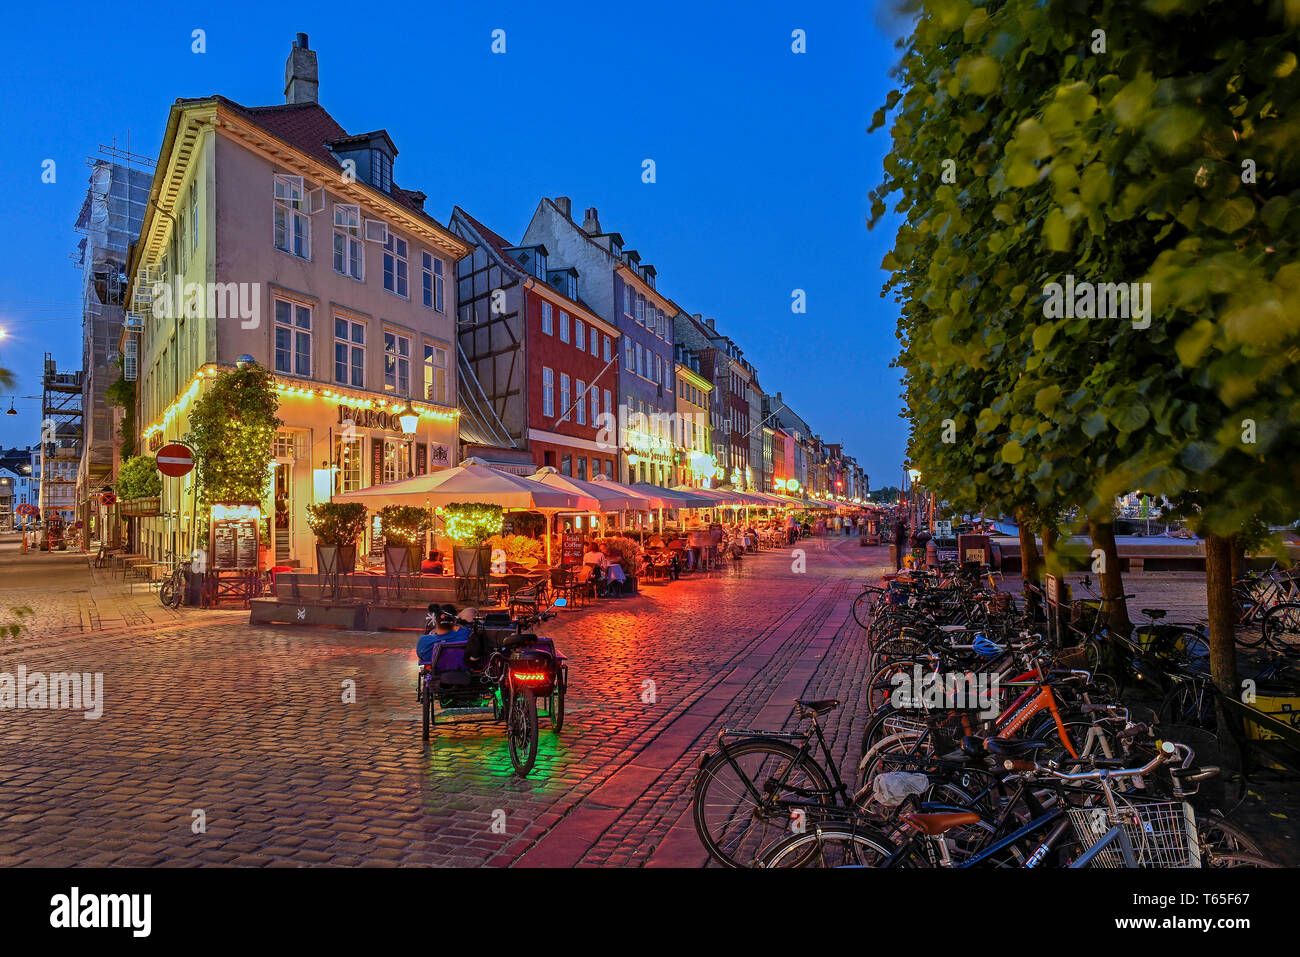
(590, 224)
(300, 76)
(565, 206)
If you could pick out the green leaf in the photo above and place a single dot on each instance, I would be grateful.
(1012, 453)
(1095, 425)
(1056, 231)
(1229, 215)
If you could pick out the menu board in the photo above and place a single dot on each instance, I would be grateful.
(421, 458)
(571, 549)
(234, 544)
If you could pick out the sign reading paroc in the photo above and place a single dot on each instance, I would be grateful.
(175, 459)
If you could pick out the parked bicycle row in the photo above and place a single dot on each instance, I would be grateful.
(988, 743)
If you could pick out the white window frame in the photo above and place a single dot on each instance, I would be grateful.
(608, 353)
(432, 274)
(347, 228)
(579, 334)
(546, 319)
(580, 405)
(400, 275)
(293, 201)
(564, 326)
(297, 335)
(399, 360)
(595, 406)
(548, 391)
(441, 374)
(351, 347)
(565, 397)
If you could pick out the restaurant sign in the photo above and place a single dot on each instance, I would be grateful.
(369, 419)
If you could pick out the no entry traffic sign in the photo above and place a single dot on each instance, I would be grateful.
(175, 459)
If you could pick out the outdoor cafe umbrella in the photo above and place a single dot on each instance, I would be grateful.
(473, 482)
(612, 496)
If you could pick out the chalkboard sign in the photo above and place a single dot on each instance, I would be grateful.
(571, 549)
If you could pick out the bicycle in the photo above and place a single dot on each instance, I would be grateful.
(171, 591)
(747, 794)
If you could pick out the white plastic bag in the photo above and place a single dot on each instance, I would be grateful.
(894, 787)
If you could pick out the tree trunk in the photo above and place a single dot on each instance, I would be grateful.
(1218, 600)
(1050, 538)
(1030, 563)
(1238, 556)
(1112, 582)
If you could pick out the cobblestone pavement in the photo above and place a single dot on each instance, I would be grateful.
(245, 728)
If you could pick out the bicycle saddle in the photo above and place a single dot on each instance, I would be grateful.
(933, 824)
(1155, 613)
(820, 706)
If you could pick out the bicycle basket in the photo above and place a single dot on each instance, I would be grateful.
(1163, 834)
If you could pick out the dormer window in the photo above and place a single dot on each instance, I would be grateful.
(381, 170)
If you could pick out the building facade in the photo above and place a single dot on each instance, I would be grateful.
(543, 362)
(274, 234)
(622, 290)
(692, 438)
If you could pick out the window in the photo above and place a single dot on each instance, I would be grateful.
(595, 343)
(607, 351)
(609, 407)
(564, 397)
(630, 361)
(397, 363)
(579, 335)
(640, 360)
(349, 254)
(609, 468)
(395, 275)
(182, 246)
(349, 352)
(640, 310)
(580, 388)
(548, 391)
(435, 374)
(292, 338)
(595, 406)
(564, 326)
(582, 466)
(431, 281)
(566, 464)
(194, 215)
(546, 318)
(658, 376)
(348, 463)
(629, 306)
(292, 224)
(381, 170)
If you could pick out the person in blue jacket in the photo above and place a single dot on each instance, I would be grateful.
(441, 625)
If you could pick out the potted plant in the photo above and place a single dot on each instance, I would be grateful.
(469, 525)
(403, 528)
(337, 526)
(139, 485)
(631, 557)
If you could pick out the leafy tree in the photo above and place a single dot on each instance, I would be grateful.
(138, 477)
(1113, 142)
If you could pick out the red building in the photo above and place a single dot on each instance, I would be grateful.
(543, 366)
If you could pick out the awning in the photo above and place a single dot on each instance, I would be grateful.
(471, 483)
(673, 498)
(611, 496)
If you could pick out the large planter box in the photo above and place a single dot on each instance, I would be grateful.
(401, 560)
(471, 562)
(140, 507)
(336, 559)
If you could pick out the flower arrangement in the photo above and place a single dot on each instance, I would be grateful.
(630, 550)
(519, 548)
(471, 523)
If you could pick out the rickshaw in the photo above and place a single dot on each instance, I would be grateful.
(503, 669)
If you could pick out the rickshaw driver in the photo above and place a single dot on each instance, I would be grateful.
(446, 627)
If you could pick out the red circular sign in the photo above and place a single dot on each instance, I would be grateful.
(174, 459)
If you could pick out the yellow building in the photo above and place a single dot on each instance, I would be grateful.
(694, 465)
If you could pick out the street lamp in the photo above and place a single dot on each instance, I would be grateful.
(409, 419)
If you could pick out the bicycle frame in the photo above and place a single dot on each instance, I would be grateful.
(839, 789)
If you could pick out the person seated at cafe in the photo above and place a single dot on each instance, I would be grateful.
(594, 556)
(613, 564)
(433, 564)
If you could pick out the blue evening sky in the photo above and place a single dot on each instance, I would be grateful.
(763, 160)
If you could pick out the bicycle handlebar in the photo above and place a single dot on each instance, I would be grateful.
(1168, 753)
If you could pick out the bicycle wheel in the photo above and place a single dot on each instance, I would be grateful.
(1281, 626)
(557, 707)
(746, 796)
(1217, 838)
(833, 845)
(864, 607)
(167, 593)
(521, 730)
(1189, 702)
(1242, 860)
